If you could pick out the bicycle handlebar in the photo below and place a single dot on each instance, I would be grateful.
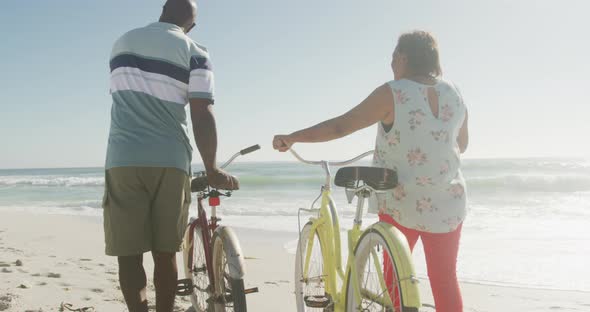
(250, 149)
(200, 183)
(240, 153)
(331, 163)
(326, 164)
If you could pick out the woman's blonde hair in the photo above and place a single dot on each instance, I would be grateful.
(421, 49)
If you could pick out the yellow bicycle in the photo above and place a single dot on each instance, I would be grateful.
(379, 274)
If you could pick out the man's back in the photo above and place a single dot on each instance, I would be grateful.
(154, 71)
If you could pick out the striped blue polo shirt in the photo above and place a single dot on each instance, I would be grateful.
(155, 70)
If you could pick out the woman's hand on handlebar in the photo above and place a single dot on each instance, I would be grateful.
(282, 143)
(222, 180)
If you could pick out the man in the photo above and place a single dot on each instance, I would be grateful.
(155, 71)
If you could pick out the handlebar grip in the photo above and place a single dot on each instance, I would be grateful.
(250, 149)
(199, 184)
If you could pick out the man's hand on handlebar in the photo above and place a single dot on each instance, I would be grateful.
(222, 180)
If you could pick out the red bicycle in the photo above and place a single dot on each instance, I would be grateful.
(213, 259)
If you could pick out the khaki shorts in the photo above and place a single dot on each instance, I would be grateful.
(145, 209)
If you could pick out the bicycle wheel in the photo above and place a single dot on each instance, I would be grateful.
(377, 276)
(198, 272)
(227, 271)
(310, 288)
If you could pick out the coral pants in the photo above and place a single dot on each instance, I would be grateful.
(441, 251)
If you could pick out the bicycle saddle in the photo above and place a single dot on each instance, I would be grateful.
(380, 179)
(199, 184)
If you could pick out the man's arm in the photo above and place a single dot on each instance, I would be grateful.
(205, 132)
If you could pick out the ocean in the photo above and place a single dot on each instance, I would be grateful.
(528, 223)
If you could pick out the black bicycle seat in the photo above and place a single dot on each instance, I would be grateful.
(199, 184)
(380, 179)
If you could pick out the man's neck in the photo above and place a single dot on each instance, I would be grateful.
(164, 20)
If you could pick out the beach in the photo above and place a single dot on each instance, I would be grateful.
(524, 245)
(61, 260)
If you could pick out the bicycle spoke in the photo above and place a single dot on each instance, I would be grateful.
(227, 291)
(319, 278)
(312, 279)
(198, 274)
(375, 295)
(366, 281)
(380, 272)
(376, 298)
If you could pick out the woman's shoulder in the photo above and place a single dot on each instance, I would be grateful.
(450, 92)
(449, 85)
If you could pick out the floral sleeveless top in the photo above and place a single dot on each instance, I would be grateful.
(424, 152)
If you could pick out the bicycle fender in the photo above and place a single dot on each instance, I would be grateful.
(403, 259)
(233, 251)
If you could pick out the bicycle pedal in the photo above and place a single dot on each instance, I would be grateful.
(184, 287)
(251, 290)
(320, 302)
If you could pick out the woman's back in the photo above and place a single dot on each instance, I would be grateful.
(422, 147)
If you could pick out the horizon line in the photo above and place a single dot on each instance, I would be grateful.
(295, 161)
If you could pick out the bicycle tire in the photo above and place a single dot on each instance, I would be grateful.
(300, 285)
(362, 253)
(232, 288)
(198, 274)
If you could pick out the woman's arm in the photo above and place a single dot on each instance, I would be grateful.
(378, 106)
(463, 138)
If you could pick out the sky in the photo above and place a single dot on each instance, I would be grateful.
(522, 67)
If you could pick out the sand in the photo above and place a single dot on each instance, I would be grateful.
(46, 260)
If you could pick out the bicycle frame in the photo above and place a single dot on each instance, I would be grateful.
(207, 228)
(327, 225)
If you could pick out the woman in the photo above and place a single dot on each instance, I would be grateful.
(422, 132)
